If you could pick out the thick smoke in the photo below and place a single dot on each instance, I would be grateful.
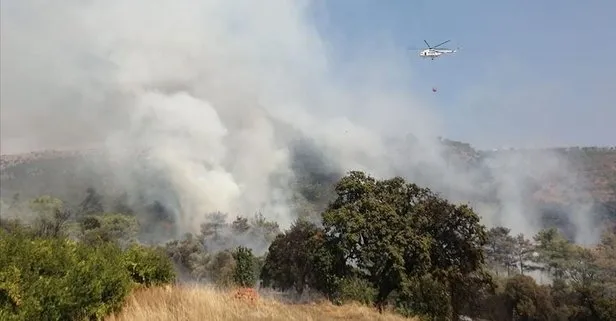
(215, 93)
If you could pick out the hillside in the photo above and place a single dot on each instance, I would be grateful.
(590, 177)
(596, 165)
(67, 174)
(202, 303)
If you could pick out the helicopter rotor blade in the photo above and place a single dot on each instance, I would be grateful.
(442, 43)
(428, 45)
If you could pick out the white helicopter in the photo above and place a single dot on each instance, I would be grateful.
(435, 52)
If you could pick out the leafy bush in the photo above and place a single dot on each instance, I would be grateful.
(221, 268)
(50, 277)
(425, 298)
(59, 279)
(356, 289)
(244, 271)
(148, 266)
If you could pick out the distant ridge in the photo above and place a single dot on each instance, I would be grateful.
(596, 164)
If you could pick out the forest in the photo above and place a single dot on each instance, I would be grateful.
(387, 243)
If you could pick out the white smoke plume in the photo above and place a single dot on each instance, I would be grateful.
(215, 92)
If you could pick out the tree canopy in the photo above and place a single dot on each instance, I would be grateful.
(390, 233)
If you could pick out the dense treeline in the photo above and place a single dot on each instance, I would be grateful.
(387, 243)
(393, 243)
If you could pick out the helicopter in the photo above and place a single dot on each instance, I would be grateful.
(435, 52)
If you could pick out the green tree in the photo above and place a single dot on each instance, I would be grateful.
(593, 279)
(469, 293)
(260, 226)
(109, 227)
(522, 252)
(554, 251)
(456, 251)
(180, 250)
(581, 267)
(189, 257)
(527, 301)
(499, 249)
(198, 265)
(221, 268)
(213, 226)
(244, 271)
(299, 258)
(369, 223)
(393, 232)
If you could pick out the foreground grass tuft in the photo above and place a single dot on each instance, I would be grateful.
(203, 303)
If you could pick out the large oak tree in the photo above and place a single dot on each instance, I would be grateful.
(393, 233)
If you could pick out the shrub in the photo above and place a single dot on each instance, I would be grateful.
(221, 268)
(148, 266)
(58, 279)
(244, 271)
(425, 298)
(356, 289)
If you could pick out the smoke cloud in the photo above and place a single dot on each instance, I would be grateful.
(215, 93)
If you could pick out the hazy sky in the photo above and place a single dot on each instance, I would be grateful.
(530, 73)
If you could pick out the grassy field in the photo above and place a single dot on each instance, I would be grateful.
(202, 303)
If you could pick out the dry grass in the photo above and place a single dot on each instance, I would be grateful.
(202, 303)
